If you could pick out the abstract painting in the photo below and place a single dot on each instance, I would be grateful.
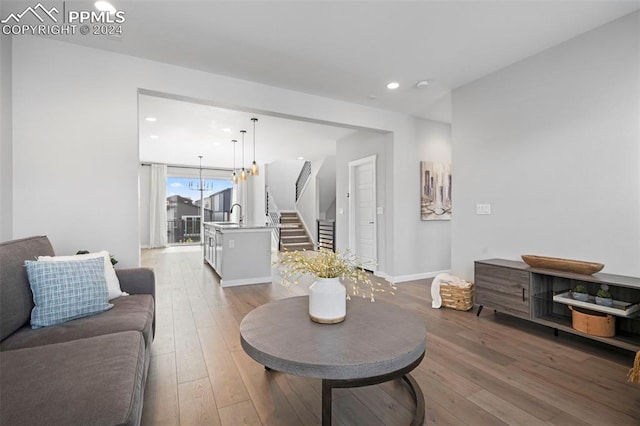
(435, 190)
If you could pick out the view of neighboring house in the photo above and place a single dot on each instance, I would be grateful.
(219, 204)
(183, 215)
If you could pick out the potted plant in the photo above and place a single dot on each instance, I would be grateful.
(604, 296)
(327, 295)
(579, 292)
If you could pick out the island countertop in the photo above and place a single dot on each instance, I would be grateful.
(233, 226)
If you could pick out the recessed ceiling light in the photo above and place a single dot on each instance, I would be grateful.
(105, 6)
(393, 85)
(151, 119)
(217, 144)
(154, 136)
(226, 129)
(300, 158)
(422, 84)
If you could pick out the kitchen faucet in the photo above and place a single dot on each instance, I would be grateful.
(241, 219)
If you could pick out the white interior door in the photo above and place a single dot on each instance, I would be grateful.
(362, 211)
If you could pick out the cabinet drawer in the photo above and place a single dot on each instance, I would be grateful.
(502, 289)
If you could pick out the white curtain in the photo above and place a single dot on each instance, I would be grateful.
(158, 206)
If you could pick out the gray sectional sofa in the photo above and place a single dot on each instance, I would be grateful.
(88, 371)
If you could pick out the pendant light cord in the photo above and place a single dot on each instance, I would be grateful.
(243, 132)
(234, 154)
(254, 138)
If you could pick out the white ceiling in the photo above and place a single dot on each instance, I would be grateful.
(347, 50)
(186, 130)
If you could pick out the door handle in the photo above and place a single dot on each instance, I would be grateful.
(523, 295)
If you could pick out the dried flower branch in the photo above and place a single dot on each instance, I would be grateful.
(325, 263)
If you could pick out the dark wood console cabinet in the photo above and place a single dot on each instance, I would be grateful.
(517, 289)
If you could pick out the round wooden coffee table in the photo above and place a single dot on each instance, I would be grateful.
(376, 343)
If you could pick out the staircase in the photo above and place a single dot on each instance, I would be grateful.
(293, 236)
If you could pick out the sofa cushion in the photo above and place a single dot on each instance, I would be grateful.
(113, 284)
(133, 312)
(94, 381)
(16, 300)
(63, 291)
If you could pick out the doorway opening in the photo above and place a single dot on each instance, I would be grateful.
(363, 239)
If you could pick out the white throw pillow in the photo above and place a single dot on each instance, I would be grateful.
(113, 284)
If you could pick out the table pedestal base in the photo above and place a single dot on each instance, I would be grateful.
(414, 388)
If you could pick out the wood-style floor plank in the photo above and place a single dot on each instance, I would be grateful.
(505, 411)
(272, 405)
(161, 393)
(197, 404)
(302, 397)
(488, 370)
(190, 363)
(228, 386)
(384, 406)
(240, 414)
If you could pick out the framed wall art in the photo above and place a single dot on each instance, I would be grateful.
(435, 190)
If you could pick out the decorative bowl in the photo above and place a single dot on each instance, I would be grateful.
(558, 264)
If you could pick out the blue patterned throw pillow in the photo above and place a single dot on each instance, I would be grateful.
(63, 291)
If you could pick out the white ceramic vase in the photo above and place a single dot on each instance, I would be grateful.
(327, 301)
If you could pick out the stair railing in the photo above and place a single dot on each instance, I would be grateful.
(272, 214)
(303, 178)
(326, 230)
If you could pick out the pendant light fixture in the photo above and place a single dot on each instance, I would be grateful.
(255, 171)
(234, 176)
(243, 172)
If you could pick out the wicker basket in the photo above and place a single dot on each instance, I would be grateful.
(456, 297)
(594, 323)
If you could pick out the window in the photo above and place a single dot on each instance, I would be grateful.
(183, 206)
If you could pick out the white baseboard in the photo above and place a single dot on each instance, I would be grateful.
(246, 281)
(412, 277)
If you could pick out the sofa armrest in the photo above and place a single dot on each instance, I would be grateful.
(137, 281)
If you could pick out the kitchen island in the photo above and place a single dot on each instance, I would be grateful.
(240, 254)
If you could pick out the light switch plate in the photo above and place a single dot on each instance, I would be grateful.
(380, 210)
(232, 243)
(483, 208)
(341, 211)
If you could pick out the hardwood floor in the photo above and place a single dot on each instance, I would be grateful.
(491, 370)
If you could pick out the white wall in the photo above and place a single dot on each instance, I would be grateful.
(281, 180)
(6, 150)
(434, 144)
(79, 136)
(144, 185)
(354, 147)
(552, 143)
(308, 202)
(326, 188)
(416, 248)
